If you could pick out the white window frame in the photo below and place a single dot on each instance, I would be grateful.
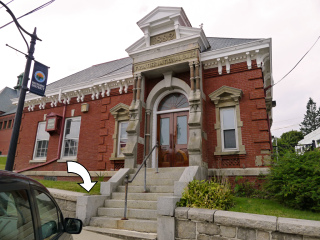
(224, 149)
(119, 154)
(36, 143)
(64, 139)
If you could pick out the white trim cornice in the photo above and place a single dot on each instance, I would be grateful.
(93, 87)
(233, 50)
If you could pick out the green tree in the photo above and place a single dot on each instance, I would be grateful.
(311, 119)
(288, 141)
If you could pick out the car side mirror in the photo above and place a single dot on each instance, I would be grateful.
(73, 225)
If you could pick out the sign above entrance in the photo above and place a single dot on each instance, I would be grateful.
(164, 37)
(167, 60)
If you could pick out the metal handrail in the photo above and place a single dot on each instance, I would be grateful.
(127, 181)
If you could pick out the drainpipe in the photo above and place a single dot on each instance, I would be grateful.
(268, 119)
(59, 145)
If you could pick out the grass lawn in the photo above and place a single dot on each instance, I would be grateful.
(246, 205)
(3, 162)
(270, 207)
(70, 186)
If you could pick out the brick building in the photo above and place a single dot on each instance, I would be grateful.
(7, 114)
(204, 99)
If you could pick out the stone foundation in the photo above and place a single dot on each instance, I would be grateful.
(205, 224)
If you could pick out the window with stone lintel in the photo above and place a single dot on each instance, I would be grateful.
(229, 138)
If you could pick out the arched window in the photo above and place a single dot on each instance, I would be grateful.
(173, 101)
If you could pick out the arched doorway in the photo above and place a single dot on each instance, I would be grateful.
(172, 130)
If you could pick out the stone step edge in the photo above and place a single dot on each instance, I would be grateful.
(122, 234)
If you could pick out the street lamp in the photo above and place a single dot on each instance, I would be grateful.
(17, 119)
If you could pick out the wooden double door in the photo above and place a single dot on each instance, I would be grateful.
(173, 135)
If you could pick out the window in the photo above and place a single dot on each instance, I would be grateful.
(5, 125)
(228, 122)
(10, 122)
(71, 137)
(1, 125)
(50, 216)
(42, 140)
(120, 113)
(122, 137)
(15, 216)
(228, 129)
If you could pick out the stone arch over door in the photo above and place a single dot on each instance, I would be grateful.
(168, 85)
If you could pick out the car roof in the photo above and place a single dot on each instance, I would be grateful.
(16, 178)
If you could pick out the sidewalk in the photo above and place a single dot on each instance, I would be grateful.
(86, 235)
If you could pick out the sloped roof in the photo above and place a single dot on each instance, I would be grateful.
(219, 43)
(125, 64)
(315, 135)
(6, 105)
(96, 71)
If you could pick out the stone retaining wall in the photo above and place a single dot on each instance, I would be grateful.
(66, 200)
(204, 224)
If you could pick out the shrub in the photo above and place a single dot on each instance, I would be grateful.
(207, 194)
(250, 189)
(294, 180)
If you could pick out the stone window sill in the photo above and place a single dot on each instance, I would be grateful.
(230, 153)
(38, 161)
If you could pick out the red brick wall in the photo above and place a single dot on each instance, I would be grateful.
(255, 132)
(5, 134)
(95, 139)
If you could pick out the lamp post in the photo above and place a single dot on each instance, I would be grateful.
(17, 119)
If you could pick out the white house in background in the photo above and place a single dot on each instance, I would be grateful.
(306, 142)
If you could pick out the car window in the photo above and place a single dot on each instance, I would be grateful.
(15, 216)
(50, 217)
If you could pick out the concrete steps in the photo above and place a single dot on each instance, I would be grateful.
(140, 196)
(139, 225)
(141, 206)
(131, 213)
(152, 189)
(123, 234)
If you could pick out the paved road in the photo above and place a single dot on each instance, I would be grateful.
(86, 235)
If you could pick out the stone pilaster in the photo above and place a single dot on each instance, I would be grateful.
(133, 128)
(195, 118)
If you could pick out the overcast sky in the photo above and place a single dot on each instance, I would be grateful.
(77, 34)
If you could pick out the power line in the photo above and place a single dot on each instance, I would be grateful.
(7, 3)
(297, 63)
(285, 127)
(34, 10)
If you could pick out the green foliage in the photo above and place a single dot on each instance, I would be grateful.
(3, 161)
(295, 180)
(207, 194)
(272, 208)
(311, 119)
(288, 141)
(250, 189)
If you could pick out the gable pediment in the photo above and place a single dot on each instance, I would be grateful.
(226, 94)
(162, 15)
(120, 109)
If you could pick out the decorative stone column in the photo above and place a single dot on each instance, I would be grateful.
(133, 128)
(195, 118)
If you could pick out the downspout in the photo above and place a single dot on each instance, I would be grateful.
(268, 119)
(59, 145)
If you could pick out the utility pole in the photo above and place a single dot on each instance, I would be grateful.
(24, 89)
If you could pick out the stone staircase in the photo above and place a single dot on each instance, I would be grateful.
(142, 207)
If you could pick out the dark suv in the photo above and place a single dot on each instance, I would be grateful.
(28, 211)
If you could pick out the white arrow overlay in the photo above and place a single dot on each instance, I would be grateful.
(77, 168)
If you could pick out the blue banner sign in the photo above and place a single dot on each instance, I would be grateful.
(39, 79)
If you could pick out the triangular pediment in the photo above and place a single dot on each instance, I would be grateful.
(161, 15)
(226, 93)
(165, 28)
(120, 109)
